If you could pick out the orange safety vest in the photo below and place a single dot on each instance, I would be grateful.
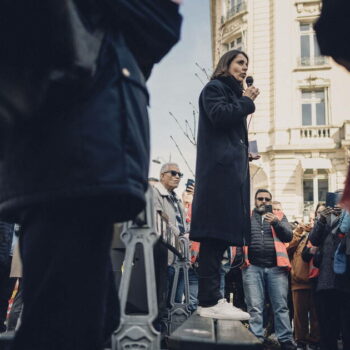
(280, 248)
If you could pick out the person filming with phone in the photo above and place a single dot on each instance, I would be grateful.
(332, 294)
(267, 266)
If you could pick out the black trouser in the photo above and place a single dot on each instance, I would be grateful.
(234, 284)
(66, 277)
(210, 257)
(333, 311)
(6, 287)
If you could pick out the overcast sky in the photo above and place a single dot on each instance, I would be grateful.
(173, 85)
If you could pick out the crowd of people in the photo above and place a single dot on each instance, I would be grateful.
(284, 282)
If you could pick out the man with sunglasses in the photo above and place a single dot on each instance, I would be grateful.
(171, 208)
(267, 269)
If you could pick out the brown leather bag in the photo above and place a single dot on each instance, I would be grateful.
(300, 268)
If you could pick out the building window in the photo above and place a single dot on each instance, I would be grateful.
(310, 54)
(236, 44)
(315, 186)
(235, 6)
(313, 106)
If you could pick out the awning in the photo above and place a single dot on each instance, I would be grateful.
(316, 163)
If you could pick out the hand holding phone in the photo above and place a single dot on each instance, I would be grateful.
(324, 214)
(270, 217)
(190, 186)
(331, 199)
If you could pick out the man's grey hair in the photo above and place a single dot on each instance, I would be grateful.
(166, 166)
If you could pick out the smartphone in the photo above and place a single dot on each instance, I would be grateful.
(190, 182)
(253, 148)
(268, 208)
(331, 199)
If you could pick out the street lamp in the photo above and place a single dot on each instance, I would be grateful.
(160, 160)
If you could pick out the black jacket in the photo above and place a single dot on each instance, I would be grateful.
(6, 236)
(325, 236)
(221, 201)
(98, 148)
(262, 249)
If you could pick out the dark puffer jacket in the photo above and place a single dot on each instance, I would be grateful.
(262, 248)
(6, 235)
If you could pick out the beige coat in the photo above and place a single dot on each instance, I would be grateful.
(300, 268)
(164, 204)
(16, 266)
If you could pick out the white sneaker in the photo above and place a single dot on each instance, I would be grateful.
(224, 311)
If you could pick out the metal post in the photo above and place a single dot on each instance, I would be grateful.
(179, 312)
(137, 331)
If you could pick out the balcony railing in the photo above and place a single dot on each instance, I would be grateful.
(312, 61)
(310, 135)
(315, 132)
(234, 10)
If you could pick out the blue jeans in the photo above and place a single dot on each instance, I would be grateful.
(193, 282)
(193, 286)
(275, 279)
(180, 285)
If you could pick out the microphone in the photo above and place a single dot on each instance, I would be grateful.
(249, 80)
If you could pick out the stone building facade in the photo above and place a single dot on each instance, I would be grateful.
(302, 119)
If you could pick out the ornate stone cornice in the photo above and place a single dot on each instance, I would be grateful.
(233, 27)
(307, 8)
(313, 81)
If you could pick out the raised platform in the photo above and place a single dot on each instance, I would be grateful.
(210, 334)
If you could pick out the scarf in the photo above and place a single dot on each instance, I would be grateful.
(232, 83)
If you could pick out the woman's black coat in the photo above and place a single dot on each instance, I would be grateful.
(221, 205)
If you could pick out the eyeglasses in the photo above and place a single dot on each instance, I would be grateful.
(174, 173)
(266, 199)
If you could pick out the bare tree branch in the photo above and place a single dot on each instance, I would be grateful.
(196, 74)
(184, 131)
(192, 133)
(183, 157)
(203, 70)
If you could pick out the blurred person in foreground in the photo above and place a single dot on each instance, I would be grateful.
(7, 243)
(332, 294)
(70, 171)
(267, 267)
(333, 32)
(220, 210)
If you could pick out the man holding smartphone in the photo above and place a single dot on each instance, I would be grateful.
(267, 267)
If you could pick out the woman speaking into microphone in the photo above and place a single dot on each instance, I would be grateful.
(221, 206)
